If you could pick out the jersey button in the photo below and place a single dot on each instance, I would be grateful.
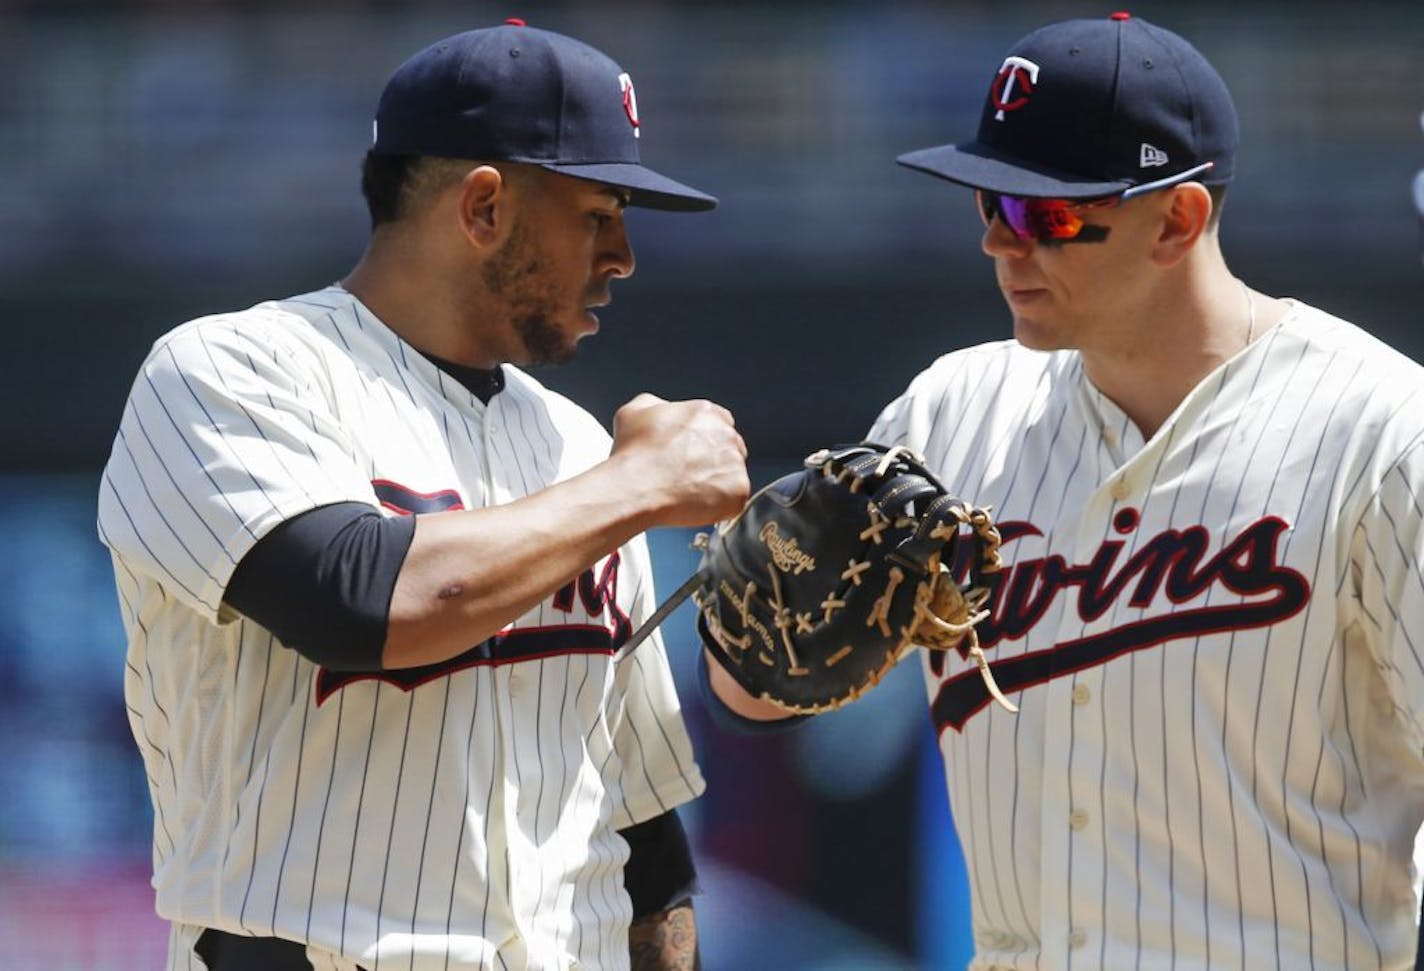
(1120, 489)
(1077, 940)
(1078, 819)
(1081, 694)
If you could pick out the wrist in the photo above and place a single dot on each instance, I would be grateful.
(645, 504)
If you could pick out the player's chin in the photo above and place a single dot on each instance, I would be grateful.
(583, 328)
(547, 343)
(1035, 344)
(1034, 336)
(554, 355)
(1037, 333)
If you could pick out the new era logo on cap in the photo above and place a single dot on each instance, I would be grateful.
(1151, 155)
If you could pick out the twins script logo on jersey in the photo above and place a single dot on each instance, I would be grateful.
(1254, 589)
(1013, 85)
(630, 101)
(606, 630)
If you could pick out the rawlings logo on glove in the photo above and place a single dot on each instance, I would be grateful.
(784, 552)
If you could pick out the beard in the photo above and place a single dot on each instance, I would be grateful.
(543, 342)
(516, 273)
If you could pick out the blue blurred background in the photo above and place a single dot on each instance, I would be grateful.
(159, 160)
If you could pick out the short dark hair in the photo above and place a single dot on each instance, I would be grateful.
(383, 180)
(1218, 199)
(394, 184)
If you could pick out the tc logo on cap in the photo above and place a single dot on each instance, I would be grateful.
(1016, 72)
(630, 100)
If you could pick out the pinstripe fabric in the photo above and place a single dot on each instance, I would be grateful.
(466, 819)
(182, 938)
(1216, 638)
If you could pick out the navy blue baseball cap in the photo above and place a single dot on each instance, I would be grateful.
(1088, 108)
(514, 93)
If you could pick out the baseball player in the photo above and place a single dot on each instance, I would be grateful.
(376, 579)
(1211, 615)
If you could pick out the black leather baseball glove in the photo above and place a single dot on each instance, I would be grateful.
(831, 574)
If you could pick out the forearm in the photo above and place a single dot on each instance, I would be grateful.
(736, 698)
(665, 940)
(469, 573)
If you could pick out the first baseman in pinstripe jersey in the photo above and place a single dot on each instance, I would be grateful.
(376, 578)
(1212, 611)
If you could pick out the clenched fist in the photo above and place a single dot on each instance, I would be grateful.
(685, 457)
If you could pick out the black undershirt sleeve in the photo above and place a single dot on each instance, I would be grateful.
(322, 582)
(659, 873)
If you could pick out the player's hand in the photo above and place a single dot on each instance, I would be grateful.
(685, 456)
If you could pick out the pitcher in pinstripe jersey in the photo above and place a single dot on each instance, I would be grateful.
(377, 579)
(1211, 615)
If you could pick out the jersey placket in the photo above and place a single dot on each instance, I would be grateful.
(516, 855)
(518, 775)
(1073, 829)
(1077, 834)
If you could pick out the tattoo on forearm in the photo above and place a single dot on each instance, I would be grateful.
(665, 941)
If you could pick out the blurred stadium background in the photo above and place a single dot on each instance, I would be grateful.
(159, 160)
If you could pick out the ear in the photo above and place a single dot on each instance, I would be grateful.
(485, 205)
(1185, 213)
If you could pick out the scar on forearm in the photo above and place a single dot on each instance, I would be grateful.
(453, 590)
(665, 941)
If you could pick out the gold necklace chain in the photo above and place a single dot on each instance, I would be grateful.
(1251, 312)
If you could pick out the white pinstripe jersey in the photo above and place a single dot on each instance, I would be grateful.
(457, 816)
(1216, 638)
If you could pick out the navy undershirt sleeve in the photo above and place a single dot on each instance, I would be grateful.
(659, 873)
(322, 582)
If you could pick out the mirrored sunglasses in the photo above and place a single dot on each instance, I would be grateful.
(1059, 220)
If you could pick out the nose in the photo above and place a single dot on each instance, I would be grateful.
(999, 240)
(617, 255)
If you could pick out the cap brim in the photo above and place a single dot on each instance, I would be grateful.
(981, 167)
(649, 190)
